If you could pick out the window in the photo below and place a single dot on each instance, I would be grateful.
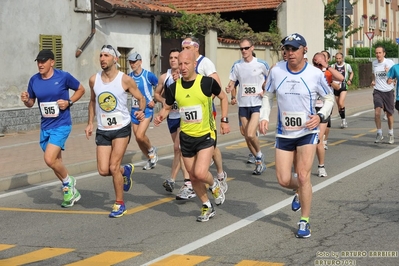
(53, 43)
(122, 61)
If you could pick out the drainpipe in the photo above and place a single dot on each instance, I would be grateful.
(152, 40)
(93, 31)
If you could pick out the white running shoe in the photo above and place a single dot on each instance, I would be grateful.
(186, 192)
(378, 138)
(321, 172)
(223, 182)
(391, 139)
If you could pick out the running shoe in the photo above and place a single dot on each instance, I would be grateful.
(68, 189)
(251, 158)
(153, 155)
(260, 166)
(118, 210)
(344, 124)
(76, 197)
(378, 138)
(128, 176)
(206, 213)
(325, 144)
(321, 172)
(303, 229)
(385, 118)
(217, 193)
(223, 182)
(212, 162)
(169, 184)
(296, 205)
(391, 139)
(149, 165)
(186, 192)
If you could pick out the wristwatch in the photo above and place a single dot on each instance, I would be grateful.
(321, 116)
(70, 103)
(224, 120)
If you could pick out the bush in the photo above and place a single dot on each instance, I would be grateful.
(391, 49)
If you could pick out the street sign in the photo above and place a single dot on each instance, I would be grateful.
(339, 10)
(397, 40)
(347, 21)
(370, 35)
(358, 42)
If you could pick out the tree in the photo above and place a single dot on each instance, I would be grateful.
(332, 29)
(200, 24)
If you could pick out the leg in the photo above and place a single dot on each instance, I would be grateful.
(53, 159)
(284, 162)
(320, 151)
(141, 138)
(305, 157)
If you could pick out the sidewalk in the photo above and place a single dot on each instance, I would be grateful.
(22, 158)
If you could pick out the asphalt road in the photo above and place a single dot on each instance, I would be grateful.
(354, 219)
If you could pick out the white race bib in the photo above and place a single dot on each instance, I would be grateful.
(174, 113)
(111, 120)
(135, 103)
(49, 109)
(191, 114)
(250, 90)
(294, 120)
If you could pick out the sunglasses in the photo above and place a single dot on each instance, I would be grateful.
(291, 48)
(317, 65)
(245, 48)
(108, 46)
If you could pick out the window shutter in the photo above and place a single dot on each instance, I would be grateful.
(53, 43)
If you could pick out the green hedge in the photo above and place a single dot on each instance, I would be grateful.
(391, 49)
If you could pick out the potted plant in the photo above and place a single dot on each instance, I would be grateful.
(364, 16)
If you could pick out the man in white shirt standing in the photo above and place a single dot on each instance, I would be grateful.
(383, 94)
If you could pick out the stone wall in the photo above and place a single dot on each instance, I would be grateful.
(24, 119)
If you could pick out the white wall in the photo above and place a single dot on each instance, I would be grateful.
(305, 18)
(22, 21)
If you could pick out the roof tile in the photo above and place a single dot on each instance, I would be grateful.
(150, 6)
(217, 6)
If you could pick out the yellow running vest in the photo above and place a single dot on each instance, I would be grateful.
(195, 110)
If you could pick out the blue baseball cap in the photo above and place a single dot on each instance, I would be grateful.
(295, 40)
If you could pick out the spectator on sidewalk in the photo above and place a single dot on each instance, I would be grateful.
(145, 81)
(108, 103)
(51, 89)
(383, 94)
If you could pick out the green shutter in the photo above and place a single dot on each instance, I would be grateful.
(53, 43)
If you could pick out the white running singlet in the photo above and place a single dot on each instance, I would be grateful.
(111, 103)
(296, 97)
(251, 76)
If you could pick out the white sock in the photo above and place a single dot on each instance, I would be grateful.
(66, 180)
(207, 203)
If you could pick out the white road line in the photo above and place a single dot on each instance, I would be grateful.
(250, 219)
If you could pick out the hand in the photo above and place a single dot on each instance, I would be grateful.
(228, 89)
(139, 115)
(25, 97)
(373, 83)
(233, 101)
(63, 104)
(158, 120)
(151, 104)
(313, 122)
(349, 82)
(89, 130)
(263, 127)
(224, 128)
